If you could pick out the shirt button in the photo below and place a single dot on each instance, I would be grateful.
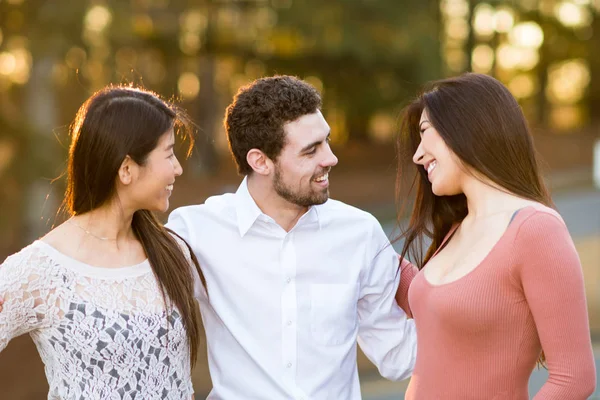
(288, 280)
(289, 365)
(289, 323)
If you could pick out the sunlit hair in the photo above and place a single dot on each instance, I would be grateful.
(116, 122)
(255, 118)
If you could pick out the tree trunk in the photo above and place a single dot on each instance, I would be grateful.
(205, 159)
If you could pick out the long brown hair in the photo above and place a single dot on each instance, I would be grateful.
(484, 126)
(116, 122)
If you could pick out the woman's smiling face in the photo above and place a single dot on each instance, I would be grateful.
(441, 165)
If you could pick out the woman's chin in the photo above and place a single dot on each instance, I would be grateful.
(440, 189)
(436, 190)
(159, 208)
(165, 207)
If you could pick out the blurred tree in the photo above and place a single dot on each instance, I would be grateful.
(370, 55)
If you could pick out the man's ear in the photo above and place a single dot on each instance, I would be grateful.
(127, 170)
(259, 162)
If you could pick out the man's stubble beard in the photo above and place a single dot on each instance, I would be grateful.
(303, 200)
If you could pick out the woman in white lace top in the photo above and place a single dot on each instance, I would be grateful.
(109, 296)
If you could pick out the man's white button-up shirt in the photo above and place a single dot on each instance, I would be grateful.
(285, 309)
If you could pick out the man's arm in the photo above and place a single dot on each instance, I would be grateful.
(385, 334)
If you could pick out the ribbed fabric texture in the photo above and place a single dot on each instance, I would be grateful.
(479, 337)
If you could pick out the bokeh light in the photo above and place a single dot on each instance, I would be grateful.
(457, 29)
(504, 19)
(523, 86)
(527, 34)
(567, 81)
(382, 127)
(482, 59)
(98, 18)
(188, 85)
(573, 15)
(23, 62)
(8, 63)
(455, 8)
(193, 20)
(564, 118)
(484, 21)
(142, 25)
(508, 56)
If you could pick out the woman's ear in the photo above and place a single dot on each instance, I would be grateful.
(259, 162)
(127, 171)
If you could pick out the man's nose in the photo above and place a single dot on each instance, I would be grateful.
(330, 159)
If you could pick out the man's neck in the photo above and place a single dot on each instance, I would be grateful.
(285, 214)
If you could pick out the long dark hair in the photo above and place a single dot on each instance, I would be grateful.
(116, 122)
(484, 126)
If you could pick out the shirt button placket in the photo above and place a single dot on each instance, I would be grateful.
(289, 308)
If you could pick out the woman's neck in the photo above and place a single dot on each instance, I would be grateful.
(485, 199)
(107, 223)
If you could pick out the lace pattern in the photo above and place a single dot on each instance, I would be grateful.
(105, 337)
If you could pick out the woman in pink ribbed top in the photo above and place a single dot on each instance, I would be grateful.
(501, 286)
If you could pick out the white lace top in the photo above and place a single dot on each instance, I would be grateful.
(102, 333)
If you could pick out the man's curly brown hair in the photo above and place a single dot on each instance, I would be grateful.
(255, 118)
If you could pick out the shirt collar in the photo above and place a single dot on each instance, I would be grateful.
(246, 208)
(248, 211)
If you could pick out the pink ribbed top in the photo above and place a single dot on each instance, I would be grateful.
(479, 337)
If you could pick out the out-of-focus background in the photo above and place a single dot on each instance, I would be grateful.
(367, 57)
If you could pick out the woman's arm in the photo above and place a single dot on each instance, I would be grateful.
(549, 271)
(24, 290)
(407, 274)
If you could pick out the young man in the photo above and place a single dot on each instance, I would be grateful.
(294, 278)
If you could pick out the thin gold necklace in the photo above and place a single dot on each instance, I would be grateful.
(70, 221)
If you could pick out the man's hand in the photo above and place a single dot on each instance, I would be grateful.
(1, 303)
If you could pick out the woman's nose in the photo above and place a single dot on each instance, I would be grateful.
(419, 154)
